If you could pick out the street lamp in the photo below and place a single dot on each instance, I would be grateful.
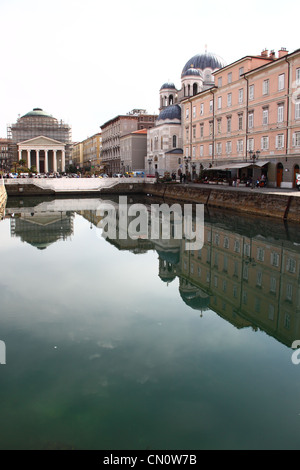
(187, 160)
(254, 156)
(149, 161)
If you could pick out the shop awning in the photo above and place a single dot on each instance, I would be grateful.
(232, 166)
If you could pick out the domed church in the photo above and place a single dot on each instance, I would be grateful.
(164, 140)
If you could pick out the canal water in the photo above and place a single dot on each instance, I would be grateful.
(141, 344)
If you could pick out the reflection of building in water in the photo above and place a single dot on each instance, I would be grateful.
(42, 229)
(253, 280)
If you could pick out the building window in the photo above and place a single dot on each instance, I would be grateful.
(287, 321)
(265, 142)
(275, 259)
(211, 127)
(241, 95)
(211, 106)
(260, 254)
(291, 265)
(259, 278)
(194, 151)
(251, 120)
(240, 146)
(265, 116)
(219, 82)
(298, 77)
(250, 144)
(280, 113)
(289, 292)
(226, 242)
(229, 99)
(228, 147)
(187, 133)
(219, 102)
(201, 150)
(201, 130)
(245, 272)
(296, 139)
(219, 148)
(240, 119)
(265, 87)
(297, 109)
(281, 81)
(251, 92)
(273, 285)
(187, 113)
(201, 109)
(279, 141)
(219, 124)
(271, 313)
(210, 149)
(194, 132)
(241, 71)
(237, 246)
(174, 141)
(230, 77)
(229, 124)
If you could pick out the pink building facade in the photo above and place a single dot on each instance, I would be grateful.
(254, 105)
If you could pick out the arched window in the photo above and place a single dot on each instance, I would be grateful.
(174, 141)
(170, 100)
(189, 90)
(151, 145)
(184, 90)
(161, 143)
(179, 161)
(195, 88)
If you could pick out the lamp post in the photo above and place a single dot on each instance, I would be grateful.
(186, 160)
(3, 161)
(149, 161)
(254, 156)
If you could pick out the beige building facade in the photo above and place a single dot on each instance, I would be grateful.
(114, 129)
(254, 106)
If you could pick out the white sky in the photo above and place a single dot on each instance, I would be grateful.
(87, 61)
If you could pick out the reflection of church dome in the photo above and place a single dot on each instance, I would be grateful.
(193, 296)
(172, 257)
(167, 86)
(170, 113)
(203, 61)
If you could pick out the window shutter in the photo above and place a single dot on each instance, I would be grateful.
(262, 143)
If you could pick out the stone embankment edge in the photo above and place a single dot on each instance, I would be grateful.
(3, 197)
(280, 206)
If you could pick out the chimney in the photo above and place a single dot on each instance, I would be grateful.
(282, 52)
(264, 53)
(272, 55)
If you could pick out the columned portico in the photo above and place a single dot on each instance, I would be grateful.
(47, 155)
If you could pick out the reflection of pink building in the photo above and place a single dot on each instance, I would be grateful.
(254, 105)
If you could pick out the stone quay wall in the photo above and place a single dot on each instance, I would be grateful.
(265, 203)
(3, 198)
(282, 206)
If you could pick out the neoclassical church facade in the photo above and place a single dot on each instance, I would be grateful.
(165, 139)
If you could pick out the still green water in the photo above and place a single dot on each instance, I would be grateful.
(139, 344)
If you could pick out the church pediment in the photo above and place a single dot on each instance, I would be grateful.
(41, 141)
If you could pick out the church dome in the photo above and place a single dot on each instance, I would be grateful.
(170, 113)
(37, 112)
(167, 86)
(203, 61)
(192, 72)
